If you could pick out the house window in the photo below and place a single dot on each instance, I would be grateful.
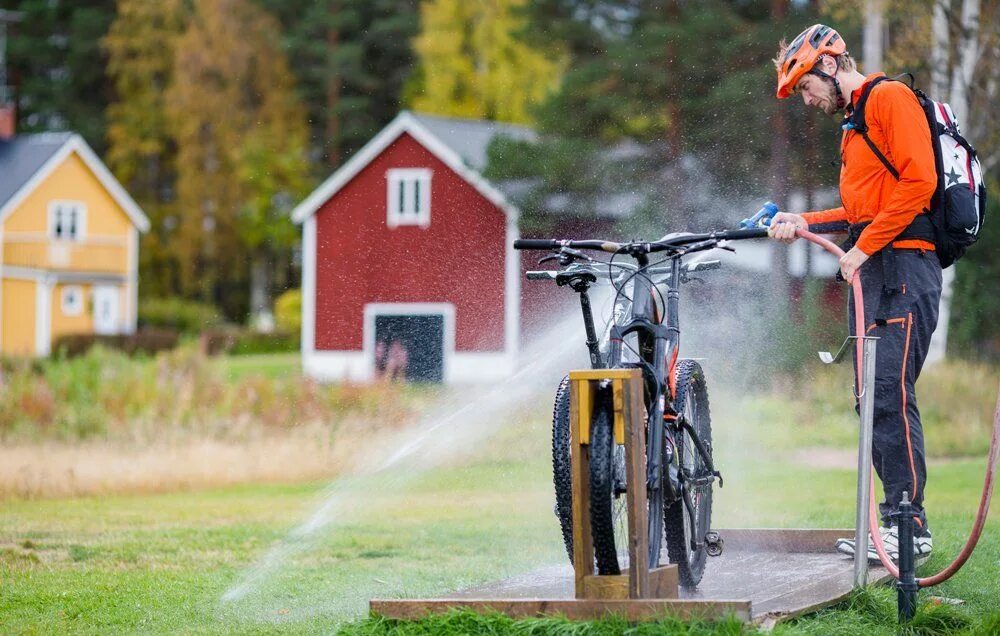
(409, 197)
(67, 220)
(72, 300)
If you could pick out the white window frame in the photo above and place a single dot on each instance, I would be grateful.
(71, 310)
(408, 197)
(81, 219)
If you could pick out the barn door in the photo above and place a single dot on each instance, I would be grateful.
(410, 347)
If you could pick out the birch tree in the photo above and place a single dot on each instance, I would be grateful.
(473, 64)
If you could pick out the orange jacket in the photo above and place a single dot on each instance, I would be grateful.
(898, 127)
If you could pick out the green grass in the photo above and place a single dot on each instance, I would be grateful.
(269, 365)
(161, 564)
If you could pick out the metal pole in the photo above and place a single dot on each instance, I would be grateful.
(867, 399)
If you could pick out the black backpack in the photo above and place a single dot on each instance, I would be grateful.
(958, 207)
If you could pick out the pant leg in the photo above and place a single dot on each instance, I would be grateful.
(903, 321)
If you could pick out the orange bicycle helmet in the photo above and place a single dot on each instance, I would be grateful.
(804, 52)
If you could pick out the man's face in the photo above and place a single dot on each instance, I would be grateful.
(818, 92)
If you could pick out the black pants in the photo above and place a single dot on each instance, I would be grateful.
(903, 319)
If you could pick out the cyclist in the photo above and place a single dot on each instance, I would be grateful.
(892, 248)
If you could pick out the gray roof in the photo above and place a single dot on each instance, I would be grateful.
(470, 138)
(22, 156)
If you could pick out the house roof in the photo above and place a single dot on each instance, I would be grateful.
(460, 144)
(22, 156)
(470, 138)
(27, 160)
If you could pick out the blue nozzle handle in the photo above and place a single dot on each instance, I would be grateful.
(762, 218)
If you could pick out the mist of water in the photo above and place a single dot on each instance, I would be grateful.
(722, 326)
(448, 429)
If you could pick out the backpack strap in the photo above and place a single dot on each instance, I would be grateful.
(855, 121)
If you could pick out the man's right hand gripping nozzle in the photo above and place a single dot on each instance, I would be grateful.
(784, 225)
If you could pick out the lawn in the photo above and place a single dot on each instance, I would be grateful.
(256, 558)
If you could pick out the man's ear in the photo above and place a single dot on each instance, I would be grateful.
(830, 65)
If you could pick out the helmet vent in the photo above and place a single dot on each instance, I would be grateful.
(818, 36)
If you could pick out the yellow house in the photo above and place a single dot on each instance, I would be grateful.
(69, 244)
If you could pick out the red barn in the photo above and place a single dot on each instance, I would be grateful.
(407, 264)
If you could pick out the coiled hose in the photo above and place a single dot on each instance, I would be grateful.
(994, 454)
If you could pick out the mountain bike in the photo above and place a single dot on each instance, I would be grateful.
(643, 332)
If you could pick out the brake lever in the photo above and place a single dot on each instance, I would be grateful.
(550, 257)
(567, 255)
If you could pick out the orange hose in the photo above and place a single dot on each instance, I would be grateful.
(994, 454)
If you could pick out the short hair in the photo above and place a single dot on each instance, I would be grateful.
(845, 61)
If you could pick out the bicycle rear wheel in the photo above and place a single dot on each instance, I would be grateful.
(689, 519)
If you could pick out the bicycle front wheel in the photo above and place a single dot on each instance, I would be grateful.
(608, 503)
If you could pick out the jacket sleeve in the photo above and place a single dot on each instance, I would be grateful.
(894, 109)
(833, 215)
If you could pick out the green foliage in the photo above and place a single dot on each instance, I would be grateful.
(974, 330)
(351, 59)
(256, 342)
(643, 90)
(54, 55)
(186, 316)
(467, 622)
(288, 311)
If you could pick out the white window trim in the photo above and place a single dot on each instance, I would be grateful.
(66, 309)
(81, 220)
(393, 178)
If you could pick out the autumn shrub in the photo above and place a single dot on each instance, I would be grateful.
(104, 394)
(146, 340)
(288, 311)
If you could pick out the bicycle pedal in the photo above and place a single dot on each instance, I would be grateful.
(714, 544)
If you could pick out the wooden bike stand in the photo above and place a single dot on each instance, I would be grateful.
(641, 582)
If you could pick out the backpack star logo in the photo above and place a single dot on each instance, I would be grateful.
(953, 177)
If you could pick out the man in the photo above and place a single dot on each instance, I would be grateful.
(892, 248)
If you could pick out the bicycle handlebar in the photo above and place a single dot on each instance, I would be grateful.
(662, 245)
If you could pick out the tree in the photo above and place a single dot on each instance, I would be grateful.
(473, 64)
(56, 62)
(140, 47)
(352, 59)
(240, 135)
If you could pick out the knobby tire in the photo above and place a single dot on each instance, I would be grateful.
(690, 403)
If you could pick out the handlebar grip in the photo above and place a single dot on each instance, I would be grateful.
(735, 235)
(535, 244)
(541, 275)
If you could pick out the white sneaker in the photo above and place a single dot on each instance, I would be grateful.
(922, 545)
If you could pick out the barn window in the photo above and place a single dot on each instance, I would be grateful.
(67, 220)
(409, 197)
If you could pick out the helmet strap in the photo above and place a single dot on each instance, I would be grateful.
(841, 100)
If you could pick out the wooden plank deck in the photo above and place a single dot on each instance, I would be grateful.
(763, 576)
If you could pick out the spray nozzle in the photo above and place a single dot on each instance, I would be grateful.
(762, 218)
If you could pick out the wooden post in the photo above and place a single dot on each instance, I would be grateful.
(629, 429)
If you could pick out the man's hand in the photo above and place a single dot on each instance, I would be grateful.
(851, 262)
(784, 225)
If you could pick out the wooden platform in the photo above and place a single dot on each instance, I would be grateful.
(763, 576)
